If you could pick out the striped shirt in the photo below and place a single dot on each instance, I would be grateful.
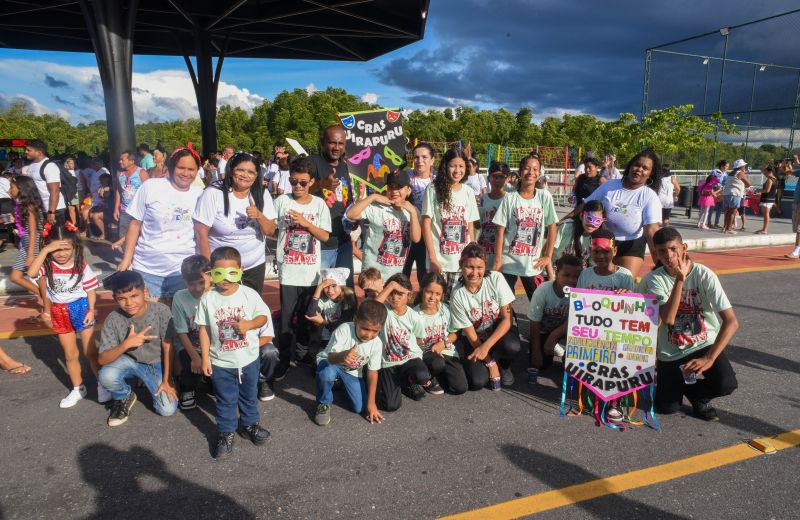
(68, 286)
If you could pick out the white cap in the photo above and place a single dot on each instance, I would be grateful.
(738, 163)
(337, 274)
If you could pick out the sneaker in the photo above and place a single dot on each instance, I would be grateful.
(280, 375)
(255, 433)
(506, 377)
(494, 384)
(224, 445)
(702, 409)
(103, 395)
(559, 351)
(614, 414)
(265, 393)
(187, 400)
(120, 410)
(792, 255)
(433, 387)
(323, 417)
(73, 397)
(416, 392)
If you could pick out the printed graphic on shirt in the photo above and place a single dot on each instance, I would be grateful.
(483, 317)
(454, 230)
(488, 233)
(298, 249)
(689, 327)
(193, 333)
(553, 317)
(229, 339)
(394, 247)
(434, 333)
(359, 363)
(180, 214)
(242, 221)
(397, 339)
(529, 225)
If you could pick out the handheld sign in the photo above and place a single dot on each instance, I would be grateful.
(611, 346)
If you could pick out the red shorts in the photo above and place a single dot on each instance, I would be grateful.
(68, 317)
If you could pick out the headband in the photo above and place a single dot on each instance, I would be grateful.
(603, 243)
(187, 147)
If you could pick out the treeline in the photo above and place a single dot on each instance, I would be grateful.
(682, 139)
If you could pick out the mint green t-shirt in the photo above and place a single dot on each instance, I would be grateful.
(488, 232)
(220, 313)
(298, 251)
(620, 279)
(369, 352)
(450, 227)
(386, 238)
(565, 244)
(548, 308)
(399, 336)
(184, 309)
(697, 322)
(332, 312)
(524, 221)
(436, 328)
(480, 309)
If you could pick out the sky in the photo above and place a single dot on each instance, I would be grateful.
(555, 56)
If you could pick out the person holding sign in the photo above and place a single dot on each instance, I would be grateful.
(481, 310)
(448, 213)
(605, 275)
(691, 338)
(521, 220)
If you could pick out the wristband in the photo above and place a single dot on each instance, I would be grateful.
(490, 364)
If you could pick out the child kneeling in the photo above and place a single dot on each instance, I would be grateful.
(354, 353)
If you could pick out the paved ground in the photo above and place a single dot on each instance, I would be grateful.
(442, 456)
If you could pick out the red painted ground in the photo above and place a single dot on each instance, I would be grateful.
(16, 310)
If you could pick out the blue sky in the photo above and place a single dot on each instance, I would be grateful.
(581, 56)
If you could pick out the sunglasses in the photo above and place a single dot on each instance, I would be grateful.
(231, 274)
(591, 220)
(295, 182)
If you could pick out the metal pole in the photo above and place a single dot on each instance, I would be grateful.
(719, 94)
(750, 112)
(794, 116)
(648, 56)
(705, 102)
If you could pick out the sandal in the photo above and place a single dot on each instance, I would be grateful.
(18, 370)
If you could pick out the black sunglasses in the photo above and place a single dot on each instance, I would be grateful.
(295, 182)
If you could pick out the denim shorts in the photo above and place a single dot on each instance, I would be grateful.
(162, 286)
(731, 202)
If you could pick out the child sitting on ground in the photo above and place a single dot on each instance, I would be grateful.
(371, 282)
(605, 275)
(353, 354)
(333, 303)
(229, 318)
(691, 340)
(269, 358)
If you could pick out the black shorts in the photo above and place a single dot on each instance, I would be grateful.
(635, 247)
(665, 213)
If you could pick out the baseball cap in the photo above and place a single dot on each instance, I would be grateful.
(398, 177)
(738, 163)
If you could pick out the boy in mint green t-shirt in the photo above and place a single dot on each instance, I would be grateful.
(691, 337)
(605, 275)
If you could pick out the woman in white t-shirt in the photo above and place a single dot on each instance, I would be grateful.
(633, 211)
(237, 212)
(475, 180)
(161, 233)
(668, 195)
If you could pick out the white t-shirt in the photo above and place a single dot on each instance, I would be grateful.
(5, 185)
(477, 182)
(667, 193)
(298, 254)
(614, 173)
(282, 180)
(480, 309)
(450, 227)
(627, 210)
(236, 230)
(418, 186)
(66, 289)
(221, 167)
(51, 174)
(167, 235)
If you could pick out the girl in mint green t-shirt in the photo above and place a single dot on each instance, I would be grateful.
(333, 303)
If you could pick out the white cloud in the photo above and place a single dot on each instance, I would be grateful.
(34, 106)
(311, 88)
(159, 95)
(370, 97)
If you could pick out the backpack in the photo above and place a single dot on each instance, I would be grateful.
(69, 184)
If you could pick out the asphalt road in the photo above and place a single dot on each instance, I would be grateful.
(441, 456)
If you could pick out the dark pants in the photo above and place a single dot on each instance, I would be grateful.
(504, 352)
(448, 370)
(719, 380)
(717, 213)
(188, 379)
(393, 380)
(344, 257)
(254, 277)
(268, 360)
(530, 283)
(416, 254)
(294, 302)
(236, 387)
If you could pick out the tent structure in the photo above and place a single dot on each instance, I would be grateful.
(115, 30)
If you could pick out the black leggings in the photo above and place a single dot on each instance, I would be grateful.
(294, 325)
(718, 381)
(504, 352)
(448, 370)
(530, 283)
(416, 255)
(392, 381)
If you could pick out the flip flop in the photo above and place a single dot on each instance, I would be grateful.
(18, 370)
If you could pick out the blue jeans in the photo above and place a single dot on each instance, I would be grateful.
(354, 386)
(113, 375)
(234, 386)
(328, 258)
(717, 213)
(162, 286)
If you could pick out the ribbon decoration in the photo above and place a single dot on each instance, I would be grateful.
(46, 229)
(70, 227)
(187, 147)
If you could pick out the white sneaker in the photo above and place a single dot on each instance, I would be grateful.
(103, 395)
(72, 399)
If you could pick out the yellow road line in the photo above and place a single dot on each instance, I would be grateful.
(756, 269)
(15, 334)
(626, 481)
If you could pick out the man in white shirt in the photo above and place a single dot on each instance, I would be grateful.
(48, 182)
(226, 155)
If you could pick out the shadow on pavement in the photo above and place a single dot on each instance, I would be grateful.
(51, 355)
(203, 418)
(557, 474)
(136, 484)
(766, 310)
(760, 358)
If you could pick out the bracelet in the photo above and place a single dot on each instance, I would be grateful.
(490, 364)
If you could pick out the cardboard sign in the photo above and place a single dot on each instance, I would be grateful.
(611, 341)
(375, 145)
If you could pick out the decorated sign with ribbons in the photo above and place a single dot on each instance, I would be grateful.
(610, 352)
(375, 146)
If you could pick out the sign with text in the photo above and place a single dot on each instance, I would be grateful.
(375, 145)
(611, 341)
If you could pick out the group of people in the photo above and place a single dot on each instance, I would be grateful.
(189, 284)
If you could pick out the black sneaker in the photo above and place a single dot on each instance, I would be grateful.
(224, 445)
(265, 393)
(187, 400)
(280, 374)
(120, 410)
(255, 433)
(433, 387)
(507, 377)
(702, 409)
(416, 392)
